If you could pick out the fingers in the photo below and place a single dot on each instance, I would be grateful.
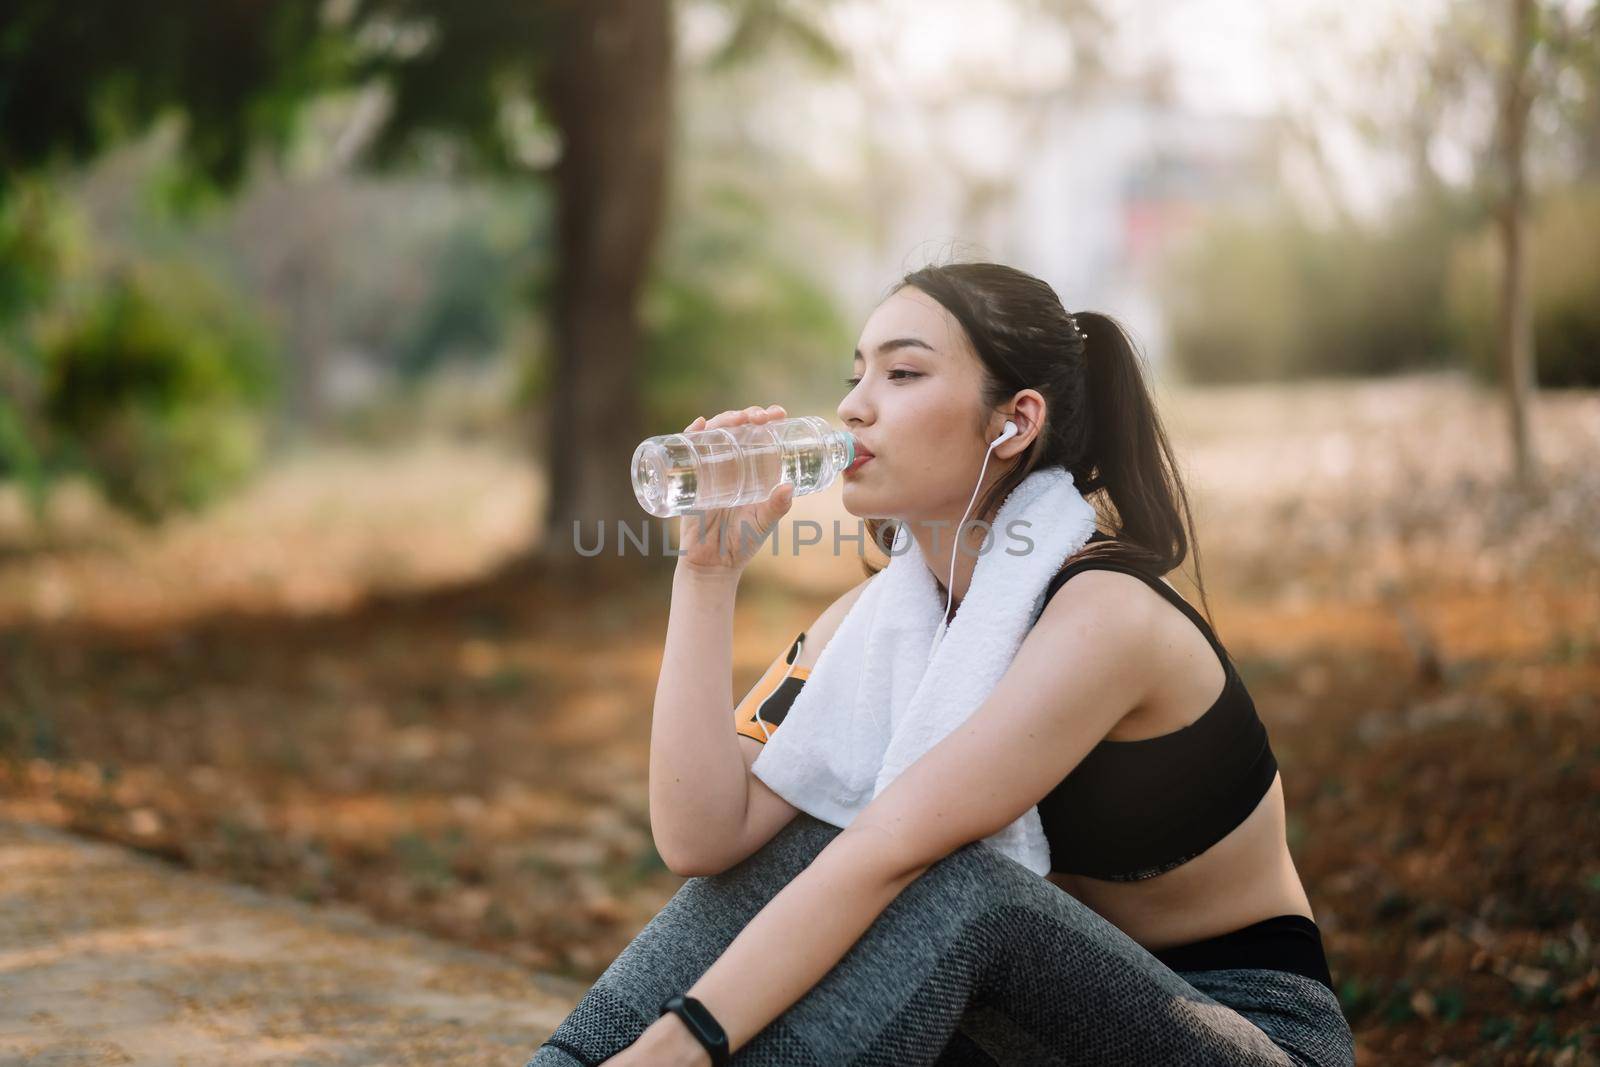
(781, 501)
(737, 416)
(767, 512)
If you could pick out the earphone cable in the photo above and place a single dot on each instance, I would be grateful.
(949, 589)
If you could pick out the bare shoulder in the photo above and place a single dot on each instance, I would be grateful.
(1114, 604)
(823, 629)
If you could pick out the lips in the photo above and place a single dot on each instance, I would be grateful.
(863, 453)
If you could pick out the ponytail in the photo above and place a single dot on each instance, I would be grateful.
(1129, 468)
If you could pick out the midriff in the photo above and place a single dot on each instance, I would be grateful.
(1244, 878)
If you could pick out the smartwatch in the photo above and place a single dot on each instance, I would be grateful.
(702, 1024)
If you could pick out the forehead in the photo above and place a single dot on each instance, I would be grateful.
(912, 313)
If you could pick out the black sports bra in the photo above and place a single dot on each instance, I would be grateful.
(1129, 810)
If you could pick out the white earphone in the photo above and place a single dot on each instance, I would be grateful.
(1006, 434)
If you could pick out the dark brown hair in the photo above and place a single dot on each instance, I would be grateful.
(1101, 423)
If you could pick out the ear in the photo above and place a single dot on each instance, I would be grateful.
(1027, 411)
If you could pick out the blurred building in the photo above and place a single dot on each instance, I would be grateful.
(1117, 185)
(1093, 193)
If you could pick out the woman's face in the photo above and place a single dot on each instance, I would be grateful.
(915, 407)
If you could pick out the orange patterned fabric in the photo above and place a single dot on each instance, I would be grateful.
(771, 695)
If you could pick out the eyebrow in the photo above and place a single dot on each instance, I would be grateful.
(899, 342)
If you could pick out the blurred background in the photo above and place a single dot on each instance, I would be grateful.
(323, 322)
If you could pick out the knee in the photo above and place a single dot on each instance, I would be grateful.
(747, 885)
(979, 864)
(783, 856)
(974, 880)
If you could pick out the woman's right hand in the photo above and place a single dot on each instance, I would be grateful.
(710, 541)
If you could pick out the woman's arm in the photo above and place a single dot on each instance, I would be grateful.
(750, 813)
(698, 777)
(1078, 672)
(794, 941)
(803, 931)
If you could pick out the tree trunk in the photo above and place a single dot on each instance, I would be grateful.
(1516, 322)
(610, 88)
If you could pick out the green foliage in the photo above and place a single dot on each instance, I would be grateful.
(466, 74)
(36, 243)
(473, 291)
(1276, 298)
(1229, 303)
(19, 454)
(155, 389)
(159, 410)
(730, 321)
(760, 25)
(76, 78)
(1564, 273)
(32, 246)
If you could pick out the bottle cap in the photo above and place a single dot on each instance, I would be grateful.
(849, 440)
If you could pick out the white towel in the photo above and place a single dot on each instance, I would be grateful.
(874, 702)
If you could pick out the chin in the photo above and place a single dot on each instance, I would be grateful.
(854, 495)
(864, 505)
(854, 503)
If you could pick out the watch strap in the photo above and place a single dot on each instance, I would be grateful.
(702, 1024)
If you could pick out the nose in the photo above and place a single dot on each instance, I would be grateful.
(852, 409)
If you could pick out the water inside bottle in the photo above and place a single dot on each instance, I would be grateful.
(741, 465)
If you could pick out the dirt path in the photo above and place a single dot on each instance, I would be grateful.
(108, 957)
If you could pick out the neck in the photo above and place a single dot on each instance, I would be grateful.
(935, 541)
(935, 537)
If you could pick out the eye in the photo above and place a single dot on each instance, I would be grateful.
(853, 382)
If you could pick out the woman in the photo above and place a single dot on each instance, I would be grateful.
(1172, 929)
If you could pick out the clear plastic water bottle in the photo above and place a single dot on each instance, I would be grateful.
(734, 465)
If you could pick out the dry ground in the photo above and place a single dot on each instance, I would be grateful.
(108, 957)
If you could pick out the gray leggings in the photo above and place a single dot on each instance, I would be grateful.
(978, 962)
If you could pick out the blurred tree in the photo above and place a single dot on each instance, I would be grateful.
(152, 389)
(31, 250)
(1269, 296)
(1534, 65)
(1516, 322)
(75, 79)
(578, 90)
(147, 378)
(1545, 46)
(731, 318)
(584, 88)
(609, 87)
(79, 77)
(461, 317)
(1563, 264)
